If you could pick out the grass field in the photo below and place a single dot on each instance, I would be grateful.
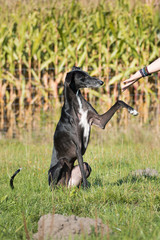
(130, 206)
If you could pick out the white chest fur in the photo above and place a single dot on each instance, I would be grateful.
(83, 121)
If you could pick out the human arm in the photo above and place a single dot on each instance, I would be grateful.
(153, 67)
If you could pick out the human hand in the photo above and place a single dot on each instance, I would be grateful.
(128, 82)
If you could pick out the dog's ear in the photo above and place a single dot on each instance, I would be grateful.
(69, 77)
(76, 68)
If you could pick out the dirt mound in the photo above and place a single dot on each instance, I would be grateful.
(61, 227)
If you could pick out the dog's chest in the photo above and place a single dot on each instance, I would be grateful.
(83, 121)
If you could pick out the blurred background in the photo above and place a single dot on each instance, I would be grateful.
(40, 41)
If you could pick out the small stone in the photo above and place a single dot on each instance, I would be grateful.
(145, 172)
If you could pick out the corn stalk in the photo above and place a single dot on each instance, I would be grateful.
(40, 42)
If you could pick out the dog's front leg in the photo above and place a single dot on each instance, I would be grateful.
(102, 120)
(80, 162)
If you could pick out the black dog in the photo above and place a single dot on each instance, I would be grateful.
(73, 129)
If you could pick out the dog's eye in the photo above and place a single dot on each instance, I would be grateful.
(82, 77)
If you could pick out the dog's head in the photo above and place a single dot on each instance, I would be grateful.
(77, 78)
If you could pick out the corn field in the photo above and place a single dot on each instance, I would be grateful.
(41, 41)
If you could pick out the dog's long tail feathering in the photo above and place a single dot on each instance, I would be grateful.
(13, 176)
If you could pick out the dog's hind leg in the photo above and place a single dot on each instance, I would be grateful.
(54, 173)
(59, 174)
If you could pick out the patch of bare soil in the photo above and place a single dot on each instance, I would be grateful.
(62, 227)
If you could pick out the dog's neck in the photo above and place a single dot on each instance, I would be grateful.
(72, 85)
(70, 95)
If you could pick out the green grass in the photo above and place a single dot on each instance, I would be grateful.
(130, 208)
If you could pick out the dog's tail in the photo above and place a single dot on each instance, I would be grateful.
(13, 176)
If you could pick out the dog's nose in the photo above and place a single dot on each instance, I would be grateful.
(101, 82)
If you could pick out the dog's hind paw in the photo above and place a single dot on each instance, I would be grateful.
(133, 112)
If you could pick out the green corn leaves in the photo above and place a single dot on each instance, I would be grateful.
(69, 31)
(110, 40)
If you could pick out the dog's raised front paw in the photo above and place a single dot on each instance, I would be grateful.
(133, 112)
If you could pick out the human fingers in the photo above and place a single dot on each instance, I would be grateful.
(128, 80)
(127, 85)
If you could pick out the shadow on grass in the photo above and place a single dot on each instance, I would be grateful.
(136, 179)
(97, 182)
